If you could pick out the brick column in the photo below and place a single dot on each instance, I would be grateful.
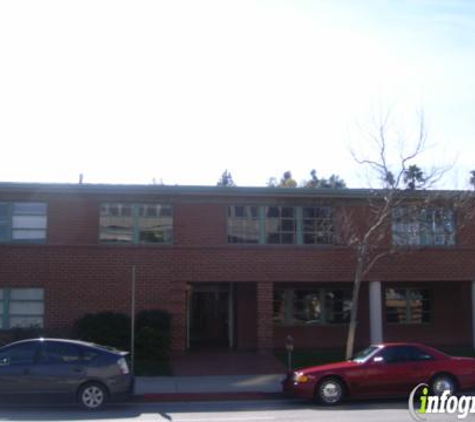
(265, 325)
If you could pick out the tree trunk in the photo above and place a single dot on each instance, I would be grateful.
(350, 342)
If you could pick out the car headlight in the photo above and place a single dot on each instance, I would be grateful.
(301, 378)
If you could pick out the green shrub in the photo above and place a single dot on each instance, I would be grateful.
(152, 338)
(151, 343)
(107, 328)
(152, 332)
(23, 333)
(157, 319)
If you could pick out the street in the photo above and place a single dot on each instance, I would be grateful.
(235, 411)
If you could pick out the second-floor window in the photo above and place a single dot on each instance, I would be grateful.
(317, 225)
(426, 226)
(280, 225)
(243, 224)
(136, 223)
(24, 222)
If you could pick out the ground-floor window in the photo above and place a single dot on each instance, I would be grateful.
(408, 306)
(21, 307)
(311, 306)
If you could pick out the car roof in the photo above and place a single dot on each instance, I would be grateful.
(399, 343)
(422, 346)
(68, 341)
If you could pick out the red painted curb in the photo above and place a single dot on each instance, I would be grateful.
(176, 397)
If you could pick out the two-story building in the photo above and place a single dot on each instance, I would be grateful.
(238, 268)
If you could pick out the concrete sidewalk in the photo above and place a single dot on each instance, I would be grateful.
(187, 388)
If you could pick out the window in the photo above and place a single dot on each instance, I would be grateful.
(21, 307)
(317, 225)
(23, 222)
(306, 307)
(427, 226)
(20, 354)
(312, 306)
(55, 352)
(408, 306)
(393, 355)
(243, 224)
(280, 225)
(398, 354)
(136, 223)
(364, 354)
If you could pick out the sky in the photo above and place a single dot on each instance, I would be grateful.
(175, 92)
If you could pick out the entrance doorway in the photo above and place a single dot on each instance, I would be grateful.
(210, 316)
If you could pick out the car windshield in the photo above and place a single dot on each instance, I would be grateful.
(364, 354)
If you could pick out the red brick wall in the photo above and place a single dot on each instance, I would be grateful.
(246, 316)
(73, 220)
(265, 311)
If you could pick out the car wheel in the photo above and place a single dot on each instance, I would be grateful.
(330, 391)
(441, 383)
(92, 396)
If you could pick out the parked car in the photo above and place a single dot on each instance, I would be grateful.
(391, 369)
(84, 372)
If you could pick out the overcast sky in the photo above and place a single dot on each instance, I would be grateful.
(178, 91)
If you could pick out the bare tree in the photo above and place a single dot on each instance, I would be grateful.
(395, 173)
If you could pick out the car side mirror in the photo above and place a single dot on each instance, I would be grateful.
(5, 361)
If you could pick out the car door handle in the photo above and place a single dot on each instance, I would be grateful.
(78, 370)
(26, 371)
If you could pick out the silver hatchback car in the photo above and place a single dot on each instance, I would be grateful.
(74, 370)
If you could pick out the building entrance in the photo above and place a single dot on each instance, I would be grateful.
(210, 316)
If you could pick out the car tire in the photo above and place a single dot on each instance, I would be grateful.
(441, 382)
(330, 391)
(92, 396)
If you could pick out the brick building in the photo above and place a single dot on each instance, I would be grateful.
(236, 267)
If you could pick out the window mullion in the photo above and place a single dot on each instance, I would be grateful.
(262, 225)
(10, 223)
(323, 314)
(136, 217)
(299, 224)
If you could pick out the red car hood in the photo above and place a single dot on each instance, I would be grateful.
(329, 367)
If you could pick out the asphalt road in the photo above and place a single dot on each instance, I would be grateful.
(236, 411)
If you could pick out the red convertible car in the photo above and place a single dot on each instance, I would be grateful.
(391, 369)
